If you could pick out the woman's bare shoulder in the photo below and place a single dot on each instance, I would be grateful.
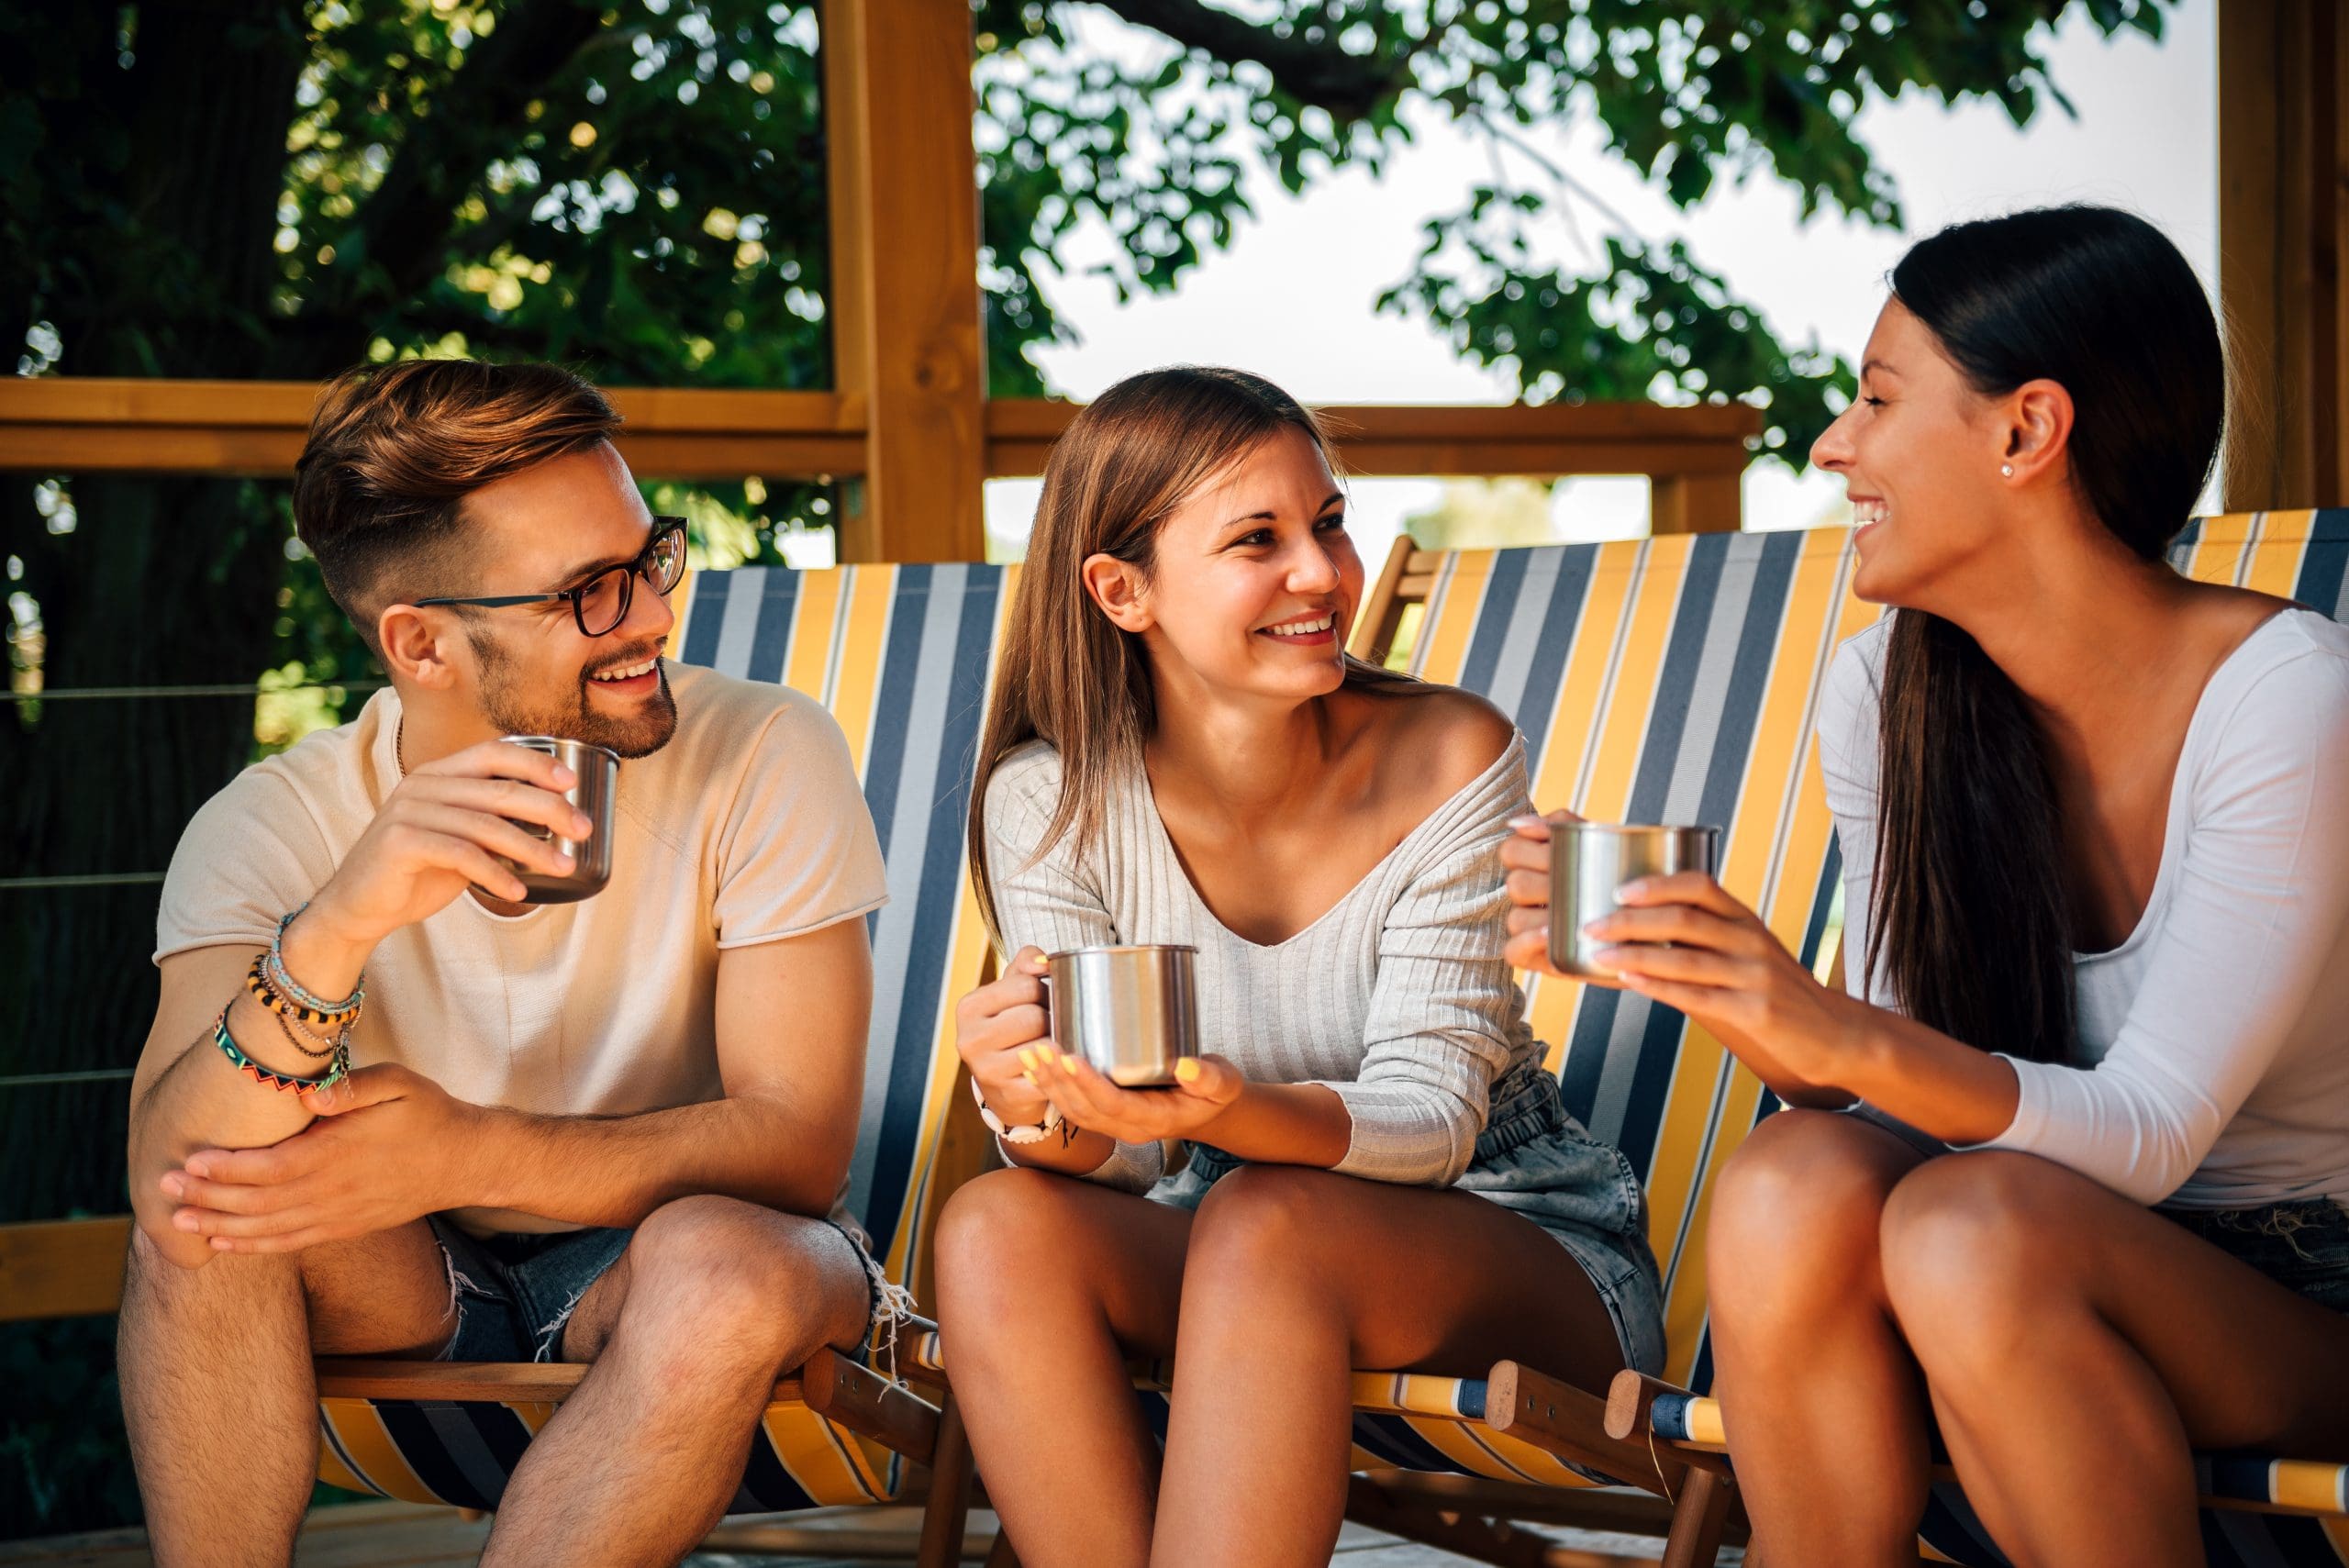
(1440, 737)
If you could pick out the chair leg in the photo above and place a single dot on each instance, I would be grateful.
(944, 1517)
(1001, 1555)
(1697, 1520)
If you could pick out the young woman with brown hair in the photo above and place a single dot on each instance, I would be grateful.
(2096, 875)
(1380, 1176)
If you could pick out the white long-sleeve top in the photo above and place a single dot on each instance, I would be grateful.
(1398, 999)
(2212, 1068)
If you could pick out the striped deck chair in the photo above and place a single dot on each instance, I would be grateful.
(1679, 1108)
(901, 656)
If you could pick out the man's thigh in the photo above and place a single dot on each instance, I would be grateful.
(385, 1294)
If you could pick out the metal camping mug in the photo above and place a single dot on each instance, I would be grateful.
(1590, 861)
(1132, 1012)
(596, 772)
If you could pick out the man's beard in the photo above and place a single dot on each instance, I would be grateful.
(513, 712)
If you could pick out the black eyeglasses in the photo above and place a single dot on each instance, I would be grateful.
(601, 602)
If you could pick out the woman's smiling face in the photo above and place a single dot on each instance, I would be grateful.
(1919, 451)
(1253, 583)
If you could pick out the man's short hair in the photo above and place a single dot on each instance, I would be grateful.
(393, 450)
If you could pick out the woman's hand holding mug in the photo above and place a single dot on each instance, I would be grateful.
(1682, 940)
(1002, 1032)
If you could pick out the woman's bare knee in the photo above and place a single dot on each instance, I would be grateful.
(1979, 1250)
(1262, 1222)
(1797, 1214)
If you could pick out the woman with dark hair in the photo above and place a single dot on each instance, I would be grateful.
(1379, 1174)
(2085, 1212)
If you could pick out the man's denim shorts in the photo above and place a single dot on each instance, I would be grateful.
(513, 1294)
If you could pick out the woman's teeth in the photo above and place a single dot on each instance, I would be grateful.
(628, 672)
(1867, 512)
(1301, 628)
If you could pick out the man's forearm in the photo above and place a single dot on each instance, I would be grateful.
(615, 1171)
(203, 1101)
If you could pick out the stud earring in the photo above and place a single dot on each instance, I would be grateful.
(2008, 469)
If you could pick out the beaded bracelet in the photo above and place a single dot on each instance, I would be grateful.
(263, 986)
(281, 1082)
(287, 984)
(323, 1049)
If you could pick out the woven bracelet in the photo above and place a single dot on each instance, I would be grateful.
(281, 1082)
(288, 986)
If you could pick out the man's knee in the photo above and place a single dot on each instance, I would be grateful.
(737, 1280)
(154, 1279)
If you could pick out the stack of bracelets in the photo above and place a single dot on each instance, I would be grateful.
(300, 1016)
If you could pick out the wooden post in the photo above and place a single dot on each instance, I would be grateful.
(1696, 503)
(905, 299)
(2283, 236)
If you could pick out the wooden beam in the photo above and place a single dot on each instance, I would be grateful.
(908, 255)
(62, 1268)
(81, 425)
(2284, 236)
(68, 425)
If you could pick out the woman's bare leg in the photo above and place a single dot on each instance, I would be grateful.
(1294, 1279)
(2079, 1346)
(1812, 1375)
(1046, 1284)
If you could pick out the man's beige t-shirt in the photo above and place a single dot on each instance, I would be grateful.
(748, 827)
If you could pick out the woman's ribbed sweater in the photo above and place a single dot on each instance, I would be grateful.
(1398, 998)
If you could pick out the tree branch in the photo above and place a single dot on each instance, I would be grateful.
(1348, 85)
(404, 227)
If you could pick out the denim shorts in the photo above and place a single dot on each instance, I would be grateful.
(513, 1294)
(2302, 1246)
(1536, 1160)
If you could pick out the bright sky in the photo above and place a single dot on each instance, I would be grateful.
(1293, 297)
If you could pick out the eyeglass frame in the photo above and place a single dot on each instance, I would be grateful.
(663, 527)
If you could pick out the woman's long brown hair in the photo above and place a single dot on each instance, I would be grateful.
(1066, 675)
(1970, 921)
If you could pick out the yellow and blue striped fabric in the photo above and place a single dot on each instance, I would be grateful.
(1656, 680)
(901, 656)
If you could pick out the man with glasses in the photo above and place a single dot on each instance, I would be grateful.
(613, 1132)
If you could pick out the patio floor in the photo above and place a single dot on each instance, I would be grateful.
(399, 1535)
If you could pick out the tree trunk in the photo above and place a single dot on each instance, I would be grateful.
(163, 581)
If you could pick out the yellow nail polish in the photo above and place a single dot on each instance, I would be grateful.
(1027, 1058)
(1186, 1070)
(1068, 1061)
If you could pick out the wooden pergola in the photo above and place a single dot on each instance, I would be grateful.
(909, 425)
(908, 422)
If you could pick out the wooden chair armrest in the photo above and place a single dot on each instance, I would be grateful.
(1564, 1420)
(1631, 1405)
(870, 1405)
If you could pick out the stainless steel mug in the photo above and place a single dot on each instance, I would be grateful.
(596, 780)
(1132, 1012)
(1589, 860)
